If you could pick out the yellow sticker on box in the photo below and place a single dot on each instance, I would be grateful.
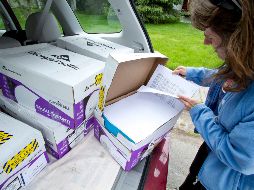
(11, 164)
(4, 137)
(101, 98)
(98, 79)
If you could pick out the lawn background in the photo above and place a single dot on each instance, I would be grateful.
(183, 44)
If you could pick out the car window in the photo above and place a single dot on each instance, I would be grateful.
(22, 9)
(95, 16)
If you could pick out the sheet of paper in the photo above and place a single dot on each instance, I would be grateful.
(139, 115)
(163, 80)
(173, 85)
(154, 91)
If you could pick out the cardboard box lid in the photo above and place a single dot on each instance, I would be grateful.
(16, 136)
(133, 70)
(49, 69)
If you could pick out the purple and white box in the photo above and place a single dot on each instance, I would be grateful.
(116, 85)
(54, 82)
(137, 105)
(59, 139)
(26, 174)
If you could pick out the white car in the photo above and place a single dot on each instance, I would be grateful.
(26, 22)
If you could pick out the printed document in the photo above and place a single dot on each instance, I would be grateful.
(169, 86)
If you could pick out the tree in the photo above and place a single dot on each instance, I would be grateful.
(158, 11)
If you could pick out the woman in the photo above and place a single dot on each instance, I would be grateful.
(226, 120)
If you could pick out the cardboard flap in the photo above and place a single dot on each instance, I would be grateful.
(133, 72)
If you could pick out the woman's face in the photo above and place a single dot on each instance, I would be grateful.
(213, 39)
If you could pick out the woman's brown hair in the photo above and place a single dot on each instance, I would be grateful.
(236, 27)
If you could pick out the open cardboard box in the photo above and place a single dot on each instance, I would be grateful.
(91, 46)
(56, 83)
(19, 145)
(59, 139)
(123, 75)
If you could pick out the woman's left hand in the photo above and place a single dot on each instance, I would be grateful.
(188, 102)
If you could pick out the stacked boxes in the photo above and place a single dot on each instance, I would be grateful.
(91, 46)
(56, 83)
(53, 90)
(22, 153)
(59, 139)
(128, 123)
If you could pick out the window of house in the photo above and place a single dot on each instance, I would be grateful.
(95, 16)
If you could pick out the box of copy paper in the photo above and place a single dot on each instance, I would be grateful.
(59, 139)
(26, 174)
(91, 46)
(19, 145)
(56, 83)
(137, 105)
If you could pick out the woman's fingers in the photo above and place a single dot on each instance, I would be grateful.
(180, 70)
(188, 102)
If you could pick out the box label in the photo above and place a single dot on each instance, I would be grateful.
(98, 79)
(101, 98)
(4, 137)
(46, 109)
(57, 59)
(14, 185)
(20, 157)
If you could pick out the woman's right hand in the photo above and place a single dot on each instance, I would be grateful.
(180, 70)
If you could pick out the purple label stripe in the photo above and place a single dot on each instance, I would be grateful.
(43, 107)
(63, 147)
(46, 109)
(79, 113)
(8, 86)
(1, 80)
(52, 152)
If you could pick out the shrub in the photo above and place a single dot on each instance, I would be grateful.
(158, 11)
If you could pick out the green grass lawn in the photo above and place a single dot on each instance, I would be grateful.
(183, 45)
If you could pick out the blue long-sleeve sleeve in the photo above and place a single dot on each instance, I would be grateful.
(235, 148)
(201, 76)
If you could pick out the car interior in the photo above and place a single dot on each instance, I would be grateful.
(60, 20)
